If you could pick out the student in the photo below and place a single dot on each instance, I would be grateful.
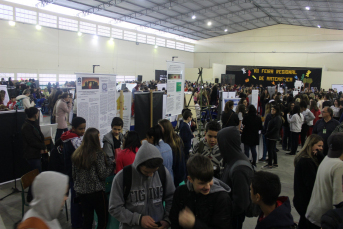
(71, 141)
(25, 99)
(141, 206)
(306, 165)
(91, 166)
(276, 211)
(327, 191)
(308, 121)
(50, 191)
(127, 156)
(186, 132)
(229, 117)
(208, 146)
(155, 136)
(11, 104)
(113, 139)
(62, 108)
(295, 119)
(204, 202)
(56, 160)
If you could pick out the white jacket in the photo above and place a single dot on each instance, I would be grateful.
(295, 122)
(308, 117)
(26, 101)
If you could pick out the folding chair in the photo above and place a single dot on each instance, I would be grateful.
(26, 181)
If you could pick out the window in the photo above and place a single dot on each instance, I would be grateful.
(26, 76)
(130, 78)
(87, 27)
(67, 24)
(130, 36)
(26, 16)
(160, 42)
(63, 78)
(189, 48)
(180, 46)
(104, 31)
(141, 38)
(117, 33)
(150, 40)
(6, 12)
(48, 20)
(6, 76)
(44, 79)
(170, 44)
(120, 78)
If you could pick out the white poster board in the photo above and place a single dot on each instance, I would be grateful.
(175, 87)
(160, 86)
(226, 97)
(4, 88)
(339, 87)
(164, 108)
(126, 110)
(96, 100)
(254, 98)
(232, 95)
(295, 93)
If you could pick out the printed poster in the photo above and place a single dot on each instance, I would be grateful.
(175, 88)
(254, 98)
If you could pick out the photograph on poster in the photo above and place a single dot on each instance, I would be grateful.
(174, 76)
(90, 83)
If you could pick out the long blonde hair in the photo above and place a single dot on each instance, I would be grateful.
(306, 151)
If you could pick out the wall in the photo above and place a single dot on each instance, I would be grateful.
(218, 70)
(191, 74)
(335, 78)
(27, 50)
(279, 45)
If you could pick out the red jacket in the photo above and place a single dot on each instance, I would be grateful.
(316, 115)
(125, 157)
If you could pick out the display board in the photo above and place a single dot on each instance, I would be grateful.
(339, 87)
(160, 75)
(254, 98)
(96, 100)
(126, 110)
(160, 86)
(175, 87)
(226, 98)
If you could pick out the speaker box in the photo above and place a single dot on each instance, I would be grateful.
(139, 78)
(216, 80)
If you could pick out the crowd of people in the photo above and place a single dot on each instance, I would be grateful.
(171, 180)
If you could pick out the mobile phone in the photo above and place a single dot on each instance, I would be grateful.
(159, 224)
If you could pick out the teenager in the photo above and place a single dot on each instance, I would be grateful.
(295, 119)
(90, 167)
(155, 136)
(72, 139)
(241, 111)
(229, 117)
(204, 201)
(25, 99)
(175, 142)
(335, 108)
(306, 165)
(113, 139)
(11, 104)
(131, 144)
(56, 160)
(316, 112)
(139, 203)
(286, 139)
(275, 211)
(62, 109)
(186, 132)
(308, 121)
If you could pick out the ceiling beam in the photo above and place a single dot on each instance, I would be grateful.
(100, 7)
(44, 3)
(264, 11)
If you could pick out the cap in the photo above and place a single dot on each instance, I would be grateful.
(335, 145)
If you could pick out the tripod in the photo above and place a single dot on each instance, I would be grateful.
(14, 136)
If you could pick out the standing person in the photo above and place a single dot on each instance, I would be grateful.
(152, 182)
(295, 119)
(320, 102)
(175, 142)
(316, 112)
(327, 102)
(155, 137)
(306, 165)
(53, 105)
(25, 99)
(33, 142)
(250, 136)
(308, 121)
(229, 117)
(186, 132)
(327, 191)
(335, 108)
(272, 135)
(214, 97)
(113, 139)
(50, 193)
(286, 139)
(72, 139)
(46, 93)
(204, 202)
(237, 173)
(325, 126)
(90, 167)
(240, 111)
(63, 107)
(127, 156)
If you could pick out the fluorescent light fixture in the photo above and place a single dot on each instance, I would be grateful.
(79, 34)
(318, 26)
(11, 23)
(111, 41)
(307, 8)
(194, 17)
(156, 46)
(225, 30)
(95, 37)
(209, 23)
(38, 27)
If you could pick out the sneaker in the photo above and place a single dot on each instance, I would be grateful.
(275, 165)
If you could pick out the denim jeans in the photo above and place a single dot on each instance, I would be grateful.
(247, 148)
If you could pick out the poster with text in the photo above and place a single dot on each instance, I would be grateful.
(175, 87)
(126, 110)
(96, 100)
(254, 98)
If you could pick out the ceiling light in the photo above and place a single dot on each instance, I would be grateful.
(194, 17)
(38, 27)
(95, 37)
(79, 34)
(225, 30)
(307, 8)
(111, 41)
(156, 46)
(11, 23)
(209, 23)
(318, 26)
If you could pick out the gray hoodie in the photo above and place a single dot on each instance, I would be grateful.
(109, 144)
(146, 193)
(48, 190)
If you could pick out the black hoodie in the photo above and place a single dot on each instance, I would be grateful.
(229, 142)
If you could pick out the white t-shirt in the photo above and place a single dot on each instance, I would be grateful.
(327, 190)
(240, 116)
(335, 111)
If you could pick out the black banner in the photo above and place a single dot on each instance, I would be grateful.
(161, 75)
(269, 76)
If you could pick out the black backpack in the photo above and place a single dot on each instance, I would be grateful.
(127, 180)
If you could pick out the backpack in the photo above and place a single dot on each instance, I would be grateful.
(127, 180)
(253, 210)
(20, 104)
